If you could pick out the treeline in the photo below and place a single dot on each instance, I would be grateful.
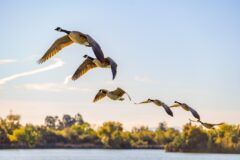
(73, 132)
(224, 139)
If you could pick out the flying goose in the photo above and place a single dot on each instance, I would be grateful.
(72, 37)
(158, 103)
(91, 63)
(113, 95)
(186, 108)
(207, 125)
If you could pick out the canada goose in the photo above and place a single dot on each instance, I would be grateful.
(186, 108)
(72, 37)
(159, 103)
(91, 63)
(207, 125)
(114, 95)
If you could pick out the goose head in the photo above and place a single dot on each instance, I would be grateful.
(85, 56)
(150, 100)
(177, 102)
(59, 29)
(103, 91)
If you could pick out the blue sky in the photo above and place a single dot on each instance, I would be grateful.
(171, 50)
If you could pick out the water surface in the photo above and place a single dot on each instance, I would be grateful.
(100, 154)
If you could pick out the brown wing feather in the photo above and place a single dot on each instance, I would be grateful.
(194, 113)
(83, 68)
(167, 109)
(100, 95)
(96, 48)
(120, 92)
(56, 47)
(113, 67)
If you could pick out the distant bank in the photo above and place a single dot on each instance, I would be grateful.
(73, 132)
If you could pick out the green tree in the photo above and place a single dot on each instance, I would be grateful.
(10, 123)
(79, 119)
(191, 139)
(3, 137)
(27, 136)
(110, 134)
(79, 134)
(49, 137)
(67, 120)
(50, 121)
(162, 126)
(142, 136)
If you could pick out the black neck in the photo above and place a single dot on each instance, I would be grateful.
(90, 58)
(63, 30)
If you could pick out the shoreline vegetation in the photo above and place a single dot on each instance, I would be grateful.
(72, 132)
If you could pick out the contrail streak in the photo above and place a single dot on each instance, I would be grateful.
(58, 63)
(6, 61)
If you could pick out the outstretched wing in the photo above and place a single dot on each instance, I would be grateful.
(83, 68)
(56, 47)
(96, 48)
(100, 95)
(167, 109)
(120, 92)
(143, 102)
(218, 124)
(194, 113)
(128, 96)
(113, 67)
(175, 105)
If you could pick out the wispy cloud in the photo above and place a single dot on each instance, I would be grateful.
(54, 87)
(143, 79)
(58, 63)
(6, 61)
(110, 82)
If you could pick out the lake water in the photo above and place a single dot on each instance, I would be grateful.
(99, 154)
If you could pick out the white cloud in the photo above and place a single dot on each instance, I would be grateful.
(111, 82)
(6, 61)
(54, 87)
(58, 63)
(143, 79)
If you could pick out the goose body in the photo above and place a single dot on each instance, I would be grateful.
(78, 37)
(91, 63)
(70, 38)
(186, 108)
(104, 64)
(117, 94)
(113, 96)
(159, 103)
